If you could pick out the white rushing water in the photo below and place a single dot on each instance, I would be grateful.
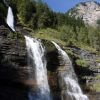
(10, 19)
(5, 2)
(37, 61)
(68, 82)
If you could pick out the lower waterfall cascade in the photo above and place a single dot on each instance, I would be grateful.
(37, 60)
(70, 87)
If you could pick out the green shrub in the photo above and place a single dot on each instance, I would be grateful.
(98, 60)
(81, 62)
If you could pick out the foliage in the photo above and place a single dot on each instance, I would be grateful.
(98, 22)
(96, 87)
(83, 37)
(81, 62)
(3, 9)
(70, 53)
(48, 34)
(3, 12)
(98, 60)
(14, 35)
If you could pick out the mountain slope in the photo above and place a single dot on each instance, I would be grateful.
(88, 11)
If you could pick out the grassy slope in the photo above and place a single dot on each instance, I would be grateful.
(54, 35)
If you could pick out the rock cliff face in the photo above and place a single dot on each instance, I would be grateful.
(88, 11)
(14, 72)
(88, 75)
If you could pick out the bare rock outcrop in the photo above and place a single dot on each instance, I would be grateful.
(89, 12)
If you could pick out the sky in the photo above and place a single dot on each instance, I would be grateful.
(64, 5)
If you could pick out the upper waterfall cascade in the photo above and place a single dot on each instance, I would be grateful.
(10, 19)
(37, 60)
(72, 90)
(5, 2)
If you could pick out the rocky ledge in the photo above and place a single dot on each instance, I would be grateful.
(87, 67)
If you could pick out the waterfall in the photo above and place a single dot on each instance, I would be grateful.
(68, 79)
(5, 2)
(10, 19)
(37, 60)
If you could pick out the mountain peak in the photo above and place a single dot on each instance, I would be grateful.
(88, 11)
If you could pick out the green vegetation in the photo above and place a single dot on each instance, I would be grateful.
(12, 35)
(98, 60)
(81, 62)
(59, 27)
(98, 22)
(63, 38)
(96, 87)
(3, 12)
(49, 34)
(93, 87)
(70, 53)
(97, 77)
